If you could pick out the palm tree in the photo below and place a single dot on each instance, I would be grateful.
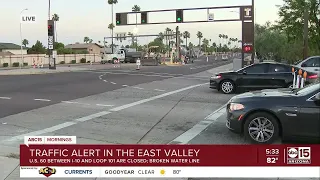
(111, 27)
(167, 37)
(220, 36)
(112, 2)
(136, 9)
(186, 35)
(205, 44)
(199, 36)
(86, 39)
(25, 42)
(55, 18)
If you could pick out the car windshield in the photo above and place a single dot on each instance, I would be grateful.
(296, 63)
(308, 89)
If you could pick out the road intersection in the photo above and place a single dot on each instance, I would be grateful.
(155, 105)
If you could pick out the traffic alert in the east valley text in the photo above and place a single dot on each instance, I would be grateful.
(167, 172)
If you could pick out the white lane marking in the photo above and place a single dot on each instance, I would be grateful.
(96, 115)
(73, 102)
(59, 126)
(154, 98)
(105, 105)
(159, 90)
(137, 87)
(113, 83)
(198, 128)
(136, 74)
(105, 80)
(46, 100)
(125, 85)
(100, 77)
(5, 97)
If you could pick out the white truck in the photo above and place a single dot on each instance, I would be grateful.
(123, 55)
(109, 58)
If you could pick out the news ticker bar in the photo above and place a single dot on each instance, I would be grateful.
(169, 172)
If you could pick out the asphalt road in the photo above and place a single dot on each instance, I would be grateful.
(27, 92)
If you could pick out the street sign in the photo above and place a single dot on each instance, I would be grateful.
(28, 19)
(50, 42)
(54, 54)
(211, 17)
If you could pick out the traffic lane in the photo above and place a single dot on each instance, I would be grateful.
(57, 88)
(181, 69)
(154, 122)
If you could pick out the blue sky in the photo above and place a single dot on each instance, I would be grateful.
(79, 18)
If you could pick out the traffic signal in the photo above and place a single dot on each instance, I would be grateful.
(247, 48)
(121, 19)
(144, 18)
(179, 16)
(118, 18)
(50, 28)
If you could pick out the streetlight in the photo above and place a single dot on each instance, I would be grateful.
(22, 60)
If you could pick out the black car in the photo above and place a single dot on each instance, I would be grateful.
(256, 77)
(264, 116)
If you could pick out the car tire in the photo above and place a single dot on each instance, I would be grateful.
(227, 87)
(271, 125)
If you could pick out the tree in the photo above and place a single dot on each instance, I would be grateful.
(112, 3)
(86, 39)
(25, 42)
(205, 43)
(55, 18)
(37, 48)
(199, 36)
(292, 21)
(186, 35)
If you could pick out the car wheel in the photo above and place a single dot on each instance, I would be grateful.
(227, 87)
(261, 128)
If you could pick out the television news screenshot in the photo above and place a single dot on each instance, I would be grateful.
(170, 89)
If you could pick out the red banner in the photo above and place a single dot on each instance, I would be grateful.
(169, 155)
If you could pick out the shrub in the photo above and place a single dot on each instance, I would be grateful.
(62, 62)
(5, 64)
(15, 64)
(73, 61)
(83, 60)
(25, 64)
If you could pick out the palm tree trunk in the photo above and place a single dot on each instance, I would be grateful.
(112, 28)
(55, 29)
(186, 42)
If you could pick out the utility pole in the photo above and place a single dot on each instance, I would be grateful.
(305, 32)
(178, 42)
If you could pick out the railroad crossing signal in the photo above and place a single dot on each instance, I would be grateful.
(144, 18)
(179, 15)
(247, 48)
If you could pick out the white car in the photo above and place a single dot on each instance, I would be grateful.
(311, 64)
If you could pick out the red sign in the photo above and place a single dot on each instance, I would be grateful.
(247, 48)
(169, 155)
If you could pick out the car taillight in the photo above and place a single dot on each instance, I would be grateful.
(315, 76)
(218, 76)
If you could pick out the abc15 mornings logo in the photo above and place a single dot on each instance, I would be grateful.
(298, 155)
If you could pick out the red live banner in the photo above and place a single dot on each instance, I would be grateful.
(169, 155)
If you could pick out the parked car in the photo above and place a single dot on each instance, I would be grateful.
(264, 116)
(256, 77)
(225, 57)
(311, 64)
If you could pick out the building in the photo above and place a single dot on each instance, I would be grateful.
(12, 48)
(91, 48)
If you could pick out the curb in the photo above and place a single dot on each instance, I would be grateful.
(37, 73)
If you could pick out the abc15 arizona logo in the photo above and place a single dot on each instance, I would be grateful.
(47, 171)
(298, 155)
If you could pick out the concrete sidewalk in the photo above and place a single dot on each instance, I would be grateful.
(30, 71)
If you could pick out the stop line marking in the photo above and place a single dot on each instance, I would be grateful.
(5, 97)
